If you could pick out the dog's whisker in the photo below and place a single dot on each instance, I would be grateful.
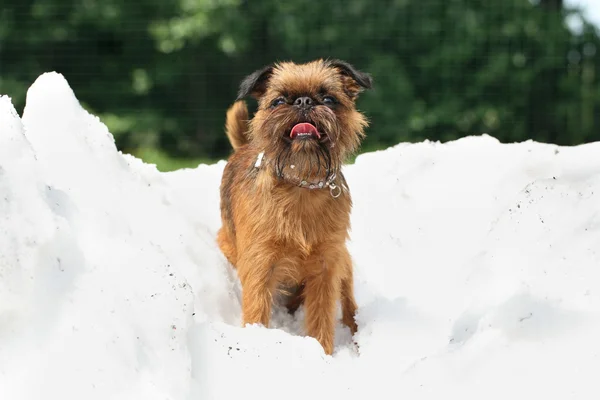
(278, 167)
(319, 155)
(283, 162)
(285, 159)
(310, 165)
(326, 161)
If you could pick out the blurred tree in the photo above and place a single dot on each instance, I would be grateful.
(161, 74)
(555, 5)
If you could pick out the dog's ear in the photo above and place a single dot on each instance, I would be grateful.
(255, 84)
(355, 81)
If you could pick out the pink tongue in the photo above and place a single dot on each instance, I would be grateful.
(304, 127)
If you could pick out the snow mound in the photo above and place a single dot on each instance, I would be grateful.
(476, 269)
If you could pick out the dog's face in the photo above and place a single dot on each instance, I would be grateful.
(306, 122)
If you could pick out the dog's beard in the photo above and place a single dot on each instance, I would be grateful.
(305, 161)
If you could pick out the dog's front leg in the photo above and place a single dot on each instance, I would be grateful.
(258, 282)
(347, 293)
(321, 292)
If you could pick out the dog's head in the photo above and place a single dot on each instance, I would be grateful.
(306, 121)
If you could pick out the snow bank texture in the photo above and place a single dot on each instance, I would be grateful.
(477, 273)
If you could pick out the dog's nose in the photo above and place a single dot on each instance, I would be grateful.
(303, 102)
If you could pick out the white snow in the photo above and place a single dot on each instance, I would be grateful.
(476, 262)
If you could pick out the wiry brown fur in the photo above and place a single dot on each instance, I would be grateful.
(280, 236)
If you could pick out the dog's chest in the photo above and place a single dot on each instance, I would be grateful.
(302, 218)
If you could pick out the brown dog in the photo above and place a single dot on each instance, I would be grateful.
(285, 205)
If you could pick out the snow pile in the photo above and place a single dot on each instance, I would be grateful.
(476, 273)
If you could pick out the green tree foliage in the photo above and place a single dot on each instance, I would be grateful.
(161, 74)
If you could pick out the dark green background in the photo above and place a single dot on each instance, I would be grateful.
(161, 73)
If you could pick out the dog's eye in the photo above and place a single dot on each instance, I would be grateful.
(278, 101)
(328, 100)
